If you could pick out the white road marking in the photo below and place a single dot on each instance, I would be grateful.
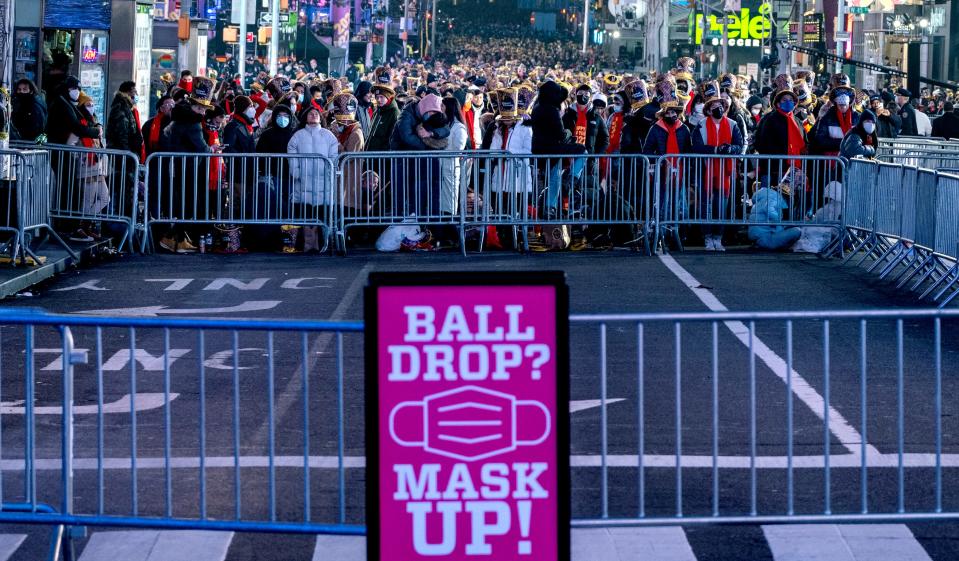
(844, 461)
(666, 543)
(838, 425)
(91, 284)
(584, 404)
(847, 542)
(157, 545)
(9, 543)
(291, 393)
(153, 311)
(340, 548)
(143, 402)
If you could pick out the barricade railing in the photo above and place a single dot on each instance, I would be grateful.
(202, 424)
(932, 158)
(745, 191)
(912, 234)
(229, 424)
(269, 190)
(25, 176)
(683, 456)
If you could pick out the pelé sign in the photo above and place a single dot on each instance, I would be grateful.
(467, 416)
(745, 29)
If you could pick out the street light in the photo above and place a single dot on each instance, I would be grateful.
(616, 34)
(923, 23)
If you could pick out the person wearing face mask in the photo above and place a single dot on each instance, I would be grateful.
(697, 110)
(384, 118)
(861, 141)
(720, 135)
(728, 87)
(64, 117)
(779, 133)
(585, 124)
(212, 124)
(364, 110)
(186, 81)
(888, 123)
(839, 119)
(93, 171)
(123, 125)
(669, 135)
(153, 128)
(472, 114)
(419, 129)
(754, 108)
(29, 115)
(238, 133)
(312, 191)
(349, 135)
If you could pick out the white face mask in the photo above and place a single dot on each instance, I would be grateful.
(698, 108)
(91, 110)
(842, 100)
(250, 113)
(755, 111)
(283, 121)
(869, 127)
(74, 94)
(617, 107)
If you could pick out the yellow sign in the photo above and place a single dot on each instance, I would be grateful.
(745, 29)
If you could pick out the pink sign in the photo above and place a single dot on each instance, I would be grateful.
(469, 454)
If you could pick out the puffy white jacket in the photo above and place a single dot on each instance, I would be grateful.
(515, 175)
(312, 177)
(451, 168)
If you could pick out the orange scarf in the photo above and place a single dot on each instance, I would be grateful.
(720, 171)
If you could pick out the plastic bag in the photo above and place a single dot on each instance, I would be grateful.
(392, 238)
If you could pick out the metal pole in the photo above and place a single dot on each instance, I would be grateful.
(183, 50)
(242, 38)
(841, 45)
(725, 40)
(275, 37)
(386, 30)
(585, 23)
(433, 32)
(406, 19)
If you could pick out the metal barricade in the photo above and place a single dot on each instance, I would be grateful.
(270, 190)
(932, 158)
(178, 424)
(26, 179)
(594, 193)
(96, 185)
(833, 449)
(720, 190)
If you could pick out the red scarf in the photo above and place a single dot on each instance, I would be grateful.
(369, 111)
(345, 135)
(468, 117)
(615, 132)
(216, 164)
(505, 130)
(580, 132)
(796, 145)
(242, 119)
(845, 120)
(156, 127)
(720, 171)
(143, 151)
(672, 143)
(88, 143)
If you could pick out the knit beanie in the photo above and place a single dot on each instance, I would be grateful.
(84, 99)
(241, 103)
(431, 102)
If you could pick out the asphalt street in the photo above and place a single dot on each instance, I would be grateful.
(202, 380)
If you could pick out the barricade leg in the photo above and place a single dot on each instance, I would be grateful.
(926, 264)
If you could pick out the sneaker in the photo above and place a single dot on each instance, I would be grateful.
(710, 244)
(168, 244)
(185, 247)
(718, 243)
(79, 235)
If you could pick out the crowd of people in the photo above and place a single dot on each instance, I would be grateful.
(512, 95)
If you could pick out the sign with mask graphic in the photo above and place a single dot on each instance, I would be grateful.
(467, 416)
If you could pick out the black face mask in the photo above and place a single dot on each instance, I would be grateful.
(669, 119)
(717, 112)
(582, 99)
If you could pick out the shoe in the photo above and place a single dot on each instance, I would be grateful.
(185, 247)
(718, 243)
(710, 245)
(168, 244)
(79, 235)
(579, 244)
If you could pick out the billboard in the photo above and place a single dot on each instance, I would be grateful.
(467, 416)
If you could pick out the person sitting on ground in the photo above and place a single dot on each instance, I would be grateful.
(767, 209)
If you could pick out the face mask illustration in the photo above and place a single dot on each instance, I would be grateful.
(470, 423)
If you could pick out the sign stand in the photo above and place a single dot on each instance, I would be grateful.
(467, 416)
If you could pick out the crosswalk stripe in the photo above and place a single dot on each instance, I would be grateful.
(9, 543)
(340, 548)
(666, 543)
(847, 542)
(154, 545)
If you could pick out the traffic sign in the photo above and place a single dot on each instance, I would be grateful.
(467, 415)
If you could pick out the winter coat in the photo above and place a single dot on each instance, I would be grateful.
(184, 133)
(145, 132)
(854, 144)
(908, 115)
(825, 142)
(658, 138)
(352, 170)
(404, 134)
(767, 206)
(597, 134)
(635, 130)
(888, 126)
(381, 127)
(923, 124)
(700, 138)
(237, 137)
(312, 177)
(122, 130)
(362, 110)
(513, 175)
(64, 119)
(451, 168)
(90, 165)
(29, 115)
(946, 126)
(772, 139)
(549, 134)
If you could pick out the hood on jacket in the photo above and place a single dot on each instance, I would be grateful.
(866, 115)
(430, 103)
(361, 91)
(552, 94)
(753, 100)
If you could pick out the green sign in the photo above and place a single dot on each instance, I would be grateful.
(858, 10)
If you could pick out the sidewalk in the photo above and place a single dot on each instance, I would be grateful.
(15, 279)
